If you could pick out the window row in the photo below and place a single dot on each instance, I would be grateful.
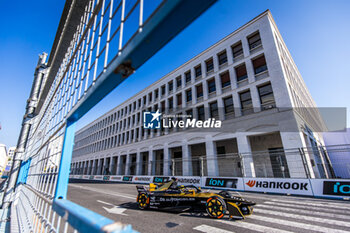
(266, 98)
(259, 65)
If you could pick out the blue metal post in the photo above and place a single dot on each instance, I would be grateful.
(66, 157)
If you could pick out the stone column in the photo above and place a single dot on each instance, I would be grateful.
(151, 163)
(186, 160)
(166, 161)
(138, 163)
(212, 162)
(127, 164)
(294, 140)
(245, 150)
(119, 165)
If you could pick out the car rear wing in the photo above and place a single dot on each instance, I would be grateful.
(141, 189)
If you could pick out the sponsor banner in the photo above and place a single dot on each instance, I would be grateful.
(224, 182)
(98, 178)
(331, 188)
(142, 179)
(278, 185)
(86, 177)
(127, 178)
(189, 180)
(161, 179)
(76, 176)
(91, 177)
(115, 178)
(106, 178)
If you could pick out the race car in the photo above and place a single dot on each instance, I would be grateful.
(192, 199)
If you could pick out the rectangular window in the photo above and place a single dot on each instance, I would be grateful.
(210, 65)
(228, 105)
(222, 58)
(254, 41)
(144, 100)
(267, 99)
(156, 94)
(178, 82)
(214, 112)
(139, 106)
(188, 76)
(211, 85)
(237, 50)
(150, 97)
(241, 72)
(188, 95)
(163, 105)
(199, 90)
(179, 99)
(200, 113)
(198, 71)
(246, 101)
(189, 113)
(225, 79)
(170, 86)
(259, 65)
(171, 103)
(163, 90)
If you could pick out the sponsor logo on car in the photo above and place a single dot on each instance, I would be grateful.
(221, 182)
(160, 179)
(338, 188)
(278, 185)
(127, 178)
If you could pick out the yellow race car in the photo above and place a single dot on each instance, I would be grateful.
(192, 199)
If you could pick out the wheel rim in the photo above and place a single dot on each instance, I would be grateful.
(215, 208)
(142, 200)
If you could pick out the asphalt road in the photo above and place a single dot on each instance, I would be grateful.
(273, 213)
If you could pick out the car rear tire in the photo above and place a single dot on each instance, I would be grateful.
(216, 207)
(143, 201)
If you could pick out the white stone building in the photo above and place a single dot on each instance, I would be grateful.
(250, 82)
(3, 157)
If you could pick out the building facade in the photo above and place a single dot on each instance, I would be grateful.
(3, 157)
(249, 81)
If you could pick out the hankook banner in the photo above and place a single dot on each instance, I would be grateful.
(278, 185)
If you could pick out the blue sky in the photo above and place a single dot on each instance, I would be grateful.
(315, 31)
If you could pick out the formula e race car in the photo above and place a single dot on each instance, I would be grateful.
(192, 199)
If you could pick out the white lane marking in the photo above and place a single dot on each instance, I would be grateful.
(103, 202)
(115, 210)
(255, 227)
(103, 191)
(305, 206)
(313, 204)
(296, 224)
(300, 211)
(210, 229)
(303, 217)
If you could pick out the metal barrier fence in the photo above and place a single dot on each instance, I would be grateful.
(112, 39)
(267, 164)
